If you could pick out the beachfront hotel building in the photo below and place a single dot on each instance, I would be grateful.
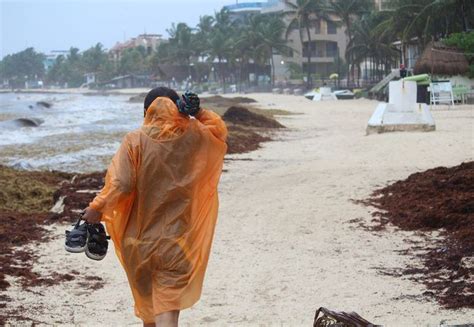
(328, 44)
(241, 11)
(150, 42)
(52, 56)
(328, 39)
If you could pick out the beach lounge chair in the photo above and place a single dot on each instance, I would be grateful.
(460, 93)
(441, 93)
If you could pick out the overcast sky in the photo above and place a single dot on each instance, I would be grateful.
(59, 24)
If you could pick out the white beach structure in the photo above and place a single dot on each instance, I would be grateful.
(401, 113)
(324, 94)
(321, 94)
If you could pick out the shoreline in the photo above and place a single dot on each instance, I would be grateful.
(124, 92)
(80, 134)
(89, 92)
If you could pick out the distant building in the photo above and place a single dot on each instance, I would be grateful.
(274, 5)
(90, 78)
(240, 11)
(150, 42)
(410, 52)
(128, 81)
(5, 83)
(328, 44)
(51, 57)
(34, 84)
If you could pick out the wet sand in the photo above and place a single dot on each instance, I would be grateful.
(285, 243)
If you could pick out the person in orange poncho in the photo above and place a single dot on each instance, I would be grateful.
(160, 203)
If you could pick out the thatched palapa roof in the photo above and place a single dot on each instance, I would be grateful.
(439, 59)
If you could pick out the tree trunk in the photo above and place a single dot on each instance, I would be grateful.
(366, 72)
(348, 71)
(221, 68)
(350, 57)
(352, 65)
(338, 69)
(372, 69)
(255, 71)
(247, 73)
(189, 68)
(403, 54)
(310, 82)
(377, 68)
(358, 75)
(241, 63)
(273, 67)
(465, 21)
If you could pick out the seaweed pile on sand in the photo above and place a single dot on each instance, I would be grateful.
(248, 126)
(247, 129)
(75, 195)
(25, 202)
(220, 102)
(243, 116)
(439, 199)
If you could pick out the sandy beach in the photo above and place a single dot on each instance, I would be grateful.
(287, 239)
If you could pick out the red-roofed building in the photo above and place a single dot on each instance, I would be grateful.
(150, 42)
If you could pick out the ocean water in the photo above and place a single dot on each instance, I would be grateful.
(78, 133)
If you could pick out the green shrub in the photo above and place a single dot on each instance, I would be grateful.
(465, 42)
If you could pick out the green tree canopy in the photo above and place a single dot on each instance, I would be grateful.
(27, 64)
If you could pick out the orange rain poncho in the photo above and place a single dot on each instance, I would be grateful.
(160, 205)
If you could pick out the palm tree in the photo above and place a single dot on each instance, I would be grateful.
(73, 55)
(369, 43)
(181, 45)
(222, 21)
(271, 33)
(133, 61)
(221, 42)
(92, 58)
(220, 46)
(426, 20)
(181, 42)
(204, 29)
(70, 69)
(436, 18)
(249, 41)
(303, 15)
(347, 11)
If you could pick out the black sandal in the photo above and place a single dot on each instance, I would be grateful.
(97, 242)
(76, 239)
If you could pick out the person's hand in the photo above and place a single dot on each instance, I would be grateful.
(189, 104)
(92, 216)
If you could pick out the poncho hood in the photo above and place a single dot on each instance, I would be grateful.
(163, 120)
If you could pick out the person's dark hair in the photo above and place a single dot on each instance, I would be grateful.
(160, 92)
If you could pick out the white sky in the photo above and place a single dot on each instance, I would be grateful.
(59, 24)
